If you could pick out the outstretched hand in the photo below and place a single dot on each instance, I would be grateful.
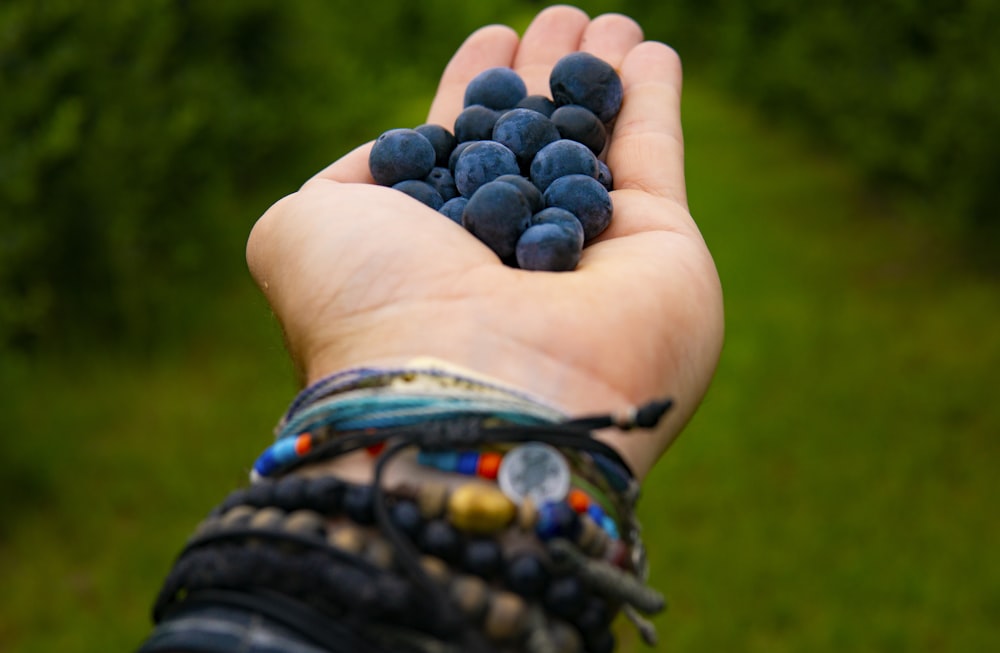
(359, 274)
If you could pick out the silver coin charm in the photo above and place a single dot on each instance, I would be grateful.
(534, 470)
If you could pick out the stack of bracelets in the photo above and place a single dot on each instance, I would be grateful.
(524, 539)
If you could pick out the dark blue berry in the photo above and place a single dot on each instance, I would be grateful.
(549, 248)
(604, 175)
(496, 88)
(420, 191)
(539, 103)
(441, 540)
(528, 189)
(482, 558)
(400, 154)
(475, 123)
(443, 182)
(524, 132)
(581, 78)
(584, 197)
(483, 162)
(581, 125)
(457, 152)
(526, 575)
(442, 140)
(561, 218)
(454, 208)
(497, 214)
(561, 158)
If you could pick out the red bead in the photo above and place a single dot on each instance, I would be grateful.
(489, 464)
(578, 500)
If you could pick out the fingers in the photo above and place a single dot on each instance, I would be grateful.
(610, 37)
(647, 147)
(487, 47)
(350, 168)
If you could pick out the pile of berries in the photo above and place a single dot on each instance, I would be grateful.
(520, 172)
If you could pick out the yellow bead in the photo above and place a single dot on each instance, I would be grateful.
(480, 508)
(505, 617)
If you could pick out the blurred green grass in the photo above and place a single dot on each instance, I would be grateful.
(836, 491)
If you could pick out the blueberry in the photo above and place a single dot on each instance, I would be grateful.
(497, 214)
(561, 218)
(454, 208)
(420, 191)
(443, 182)
(457, 152)
(561, 158)
(528, 189)
(475, 123)
(496, 88)
(548, 247)
(525, 132)
(539, 103)
(400, 154)
(581, 125)
(442, 140)
(581, 78)
(482, 162)
(584, 197)
(604, 175)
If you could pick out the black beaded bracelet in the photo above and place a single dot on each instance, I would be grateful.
(428, 566)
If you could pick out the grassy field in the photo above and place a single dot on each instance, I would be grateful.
(837, 491)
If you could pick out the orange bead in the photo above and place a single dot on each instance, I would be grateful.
(578, 500)
(488, 465)
(303, 444)
(375, 449)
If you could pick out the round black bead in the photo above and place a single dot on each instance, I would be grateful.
(405, 514)
(594, 618)
(566, 597)
(604, 642)
(482, 558)
(526, 575)
(237, 498)
(260, 494)
(359, 503)
(290, 493)
(439, 539)
(325, 495)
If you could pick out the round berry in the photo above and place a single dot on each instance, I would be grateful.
(581, 78)
(584, 197)
(496, 88)
(400, 154)
(561, 158)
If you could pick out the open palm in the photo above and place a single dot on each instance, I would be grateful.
(360, 274)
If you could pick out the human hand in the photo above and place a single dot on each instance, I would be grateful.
(360, 274)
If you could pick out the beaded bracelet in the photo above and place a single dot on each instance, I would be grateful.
(521, 564)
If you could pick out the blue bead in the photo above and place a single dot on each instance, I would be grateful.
(466, 464)
(610, 527)
(557, 519)
(596, 512)
(446, 461)
(284, 450)
(266, 463)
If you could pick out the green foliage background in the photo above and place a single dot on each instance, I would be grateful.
(835, 492)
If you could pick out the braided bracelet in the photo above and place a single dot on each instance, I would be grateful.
(531, 562)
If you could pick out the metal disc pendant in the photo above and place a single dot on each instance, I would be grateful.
(536, 471)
